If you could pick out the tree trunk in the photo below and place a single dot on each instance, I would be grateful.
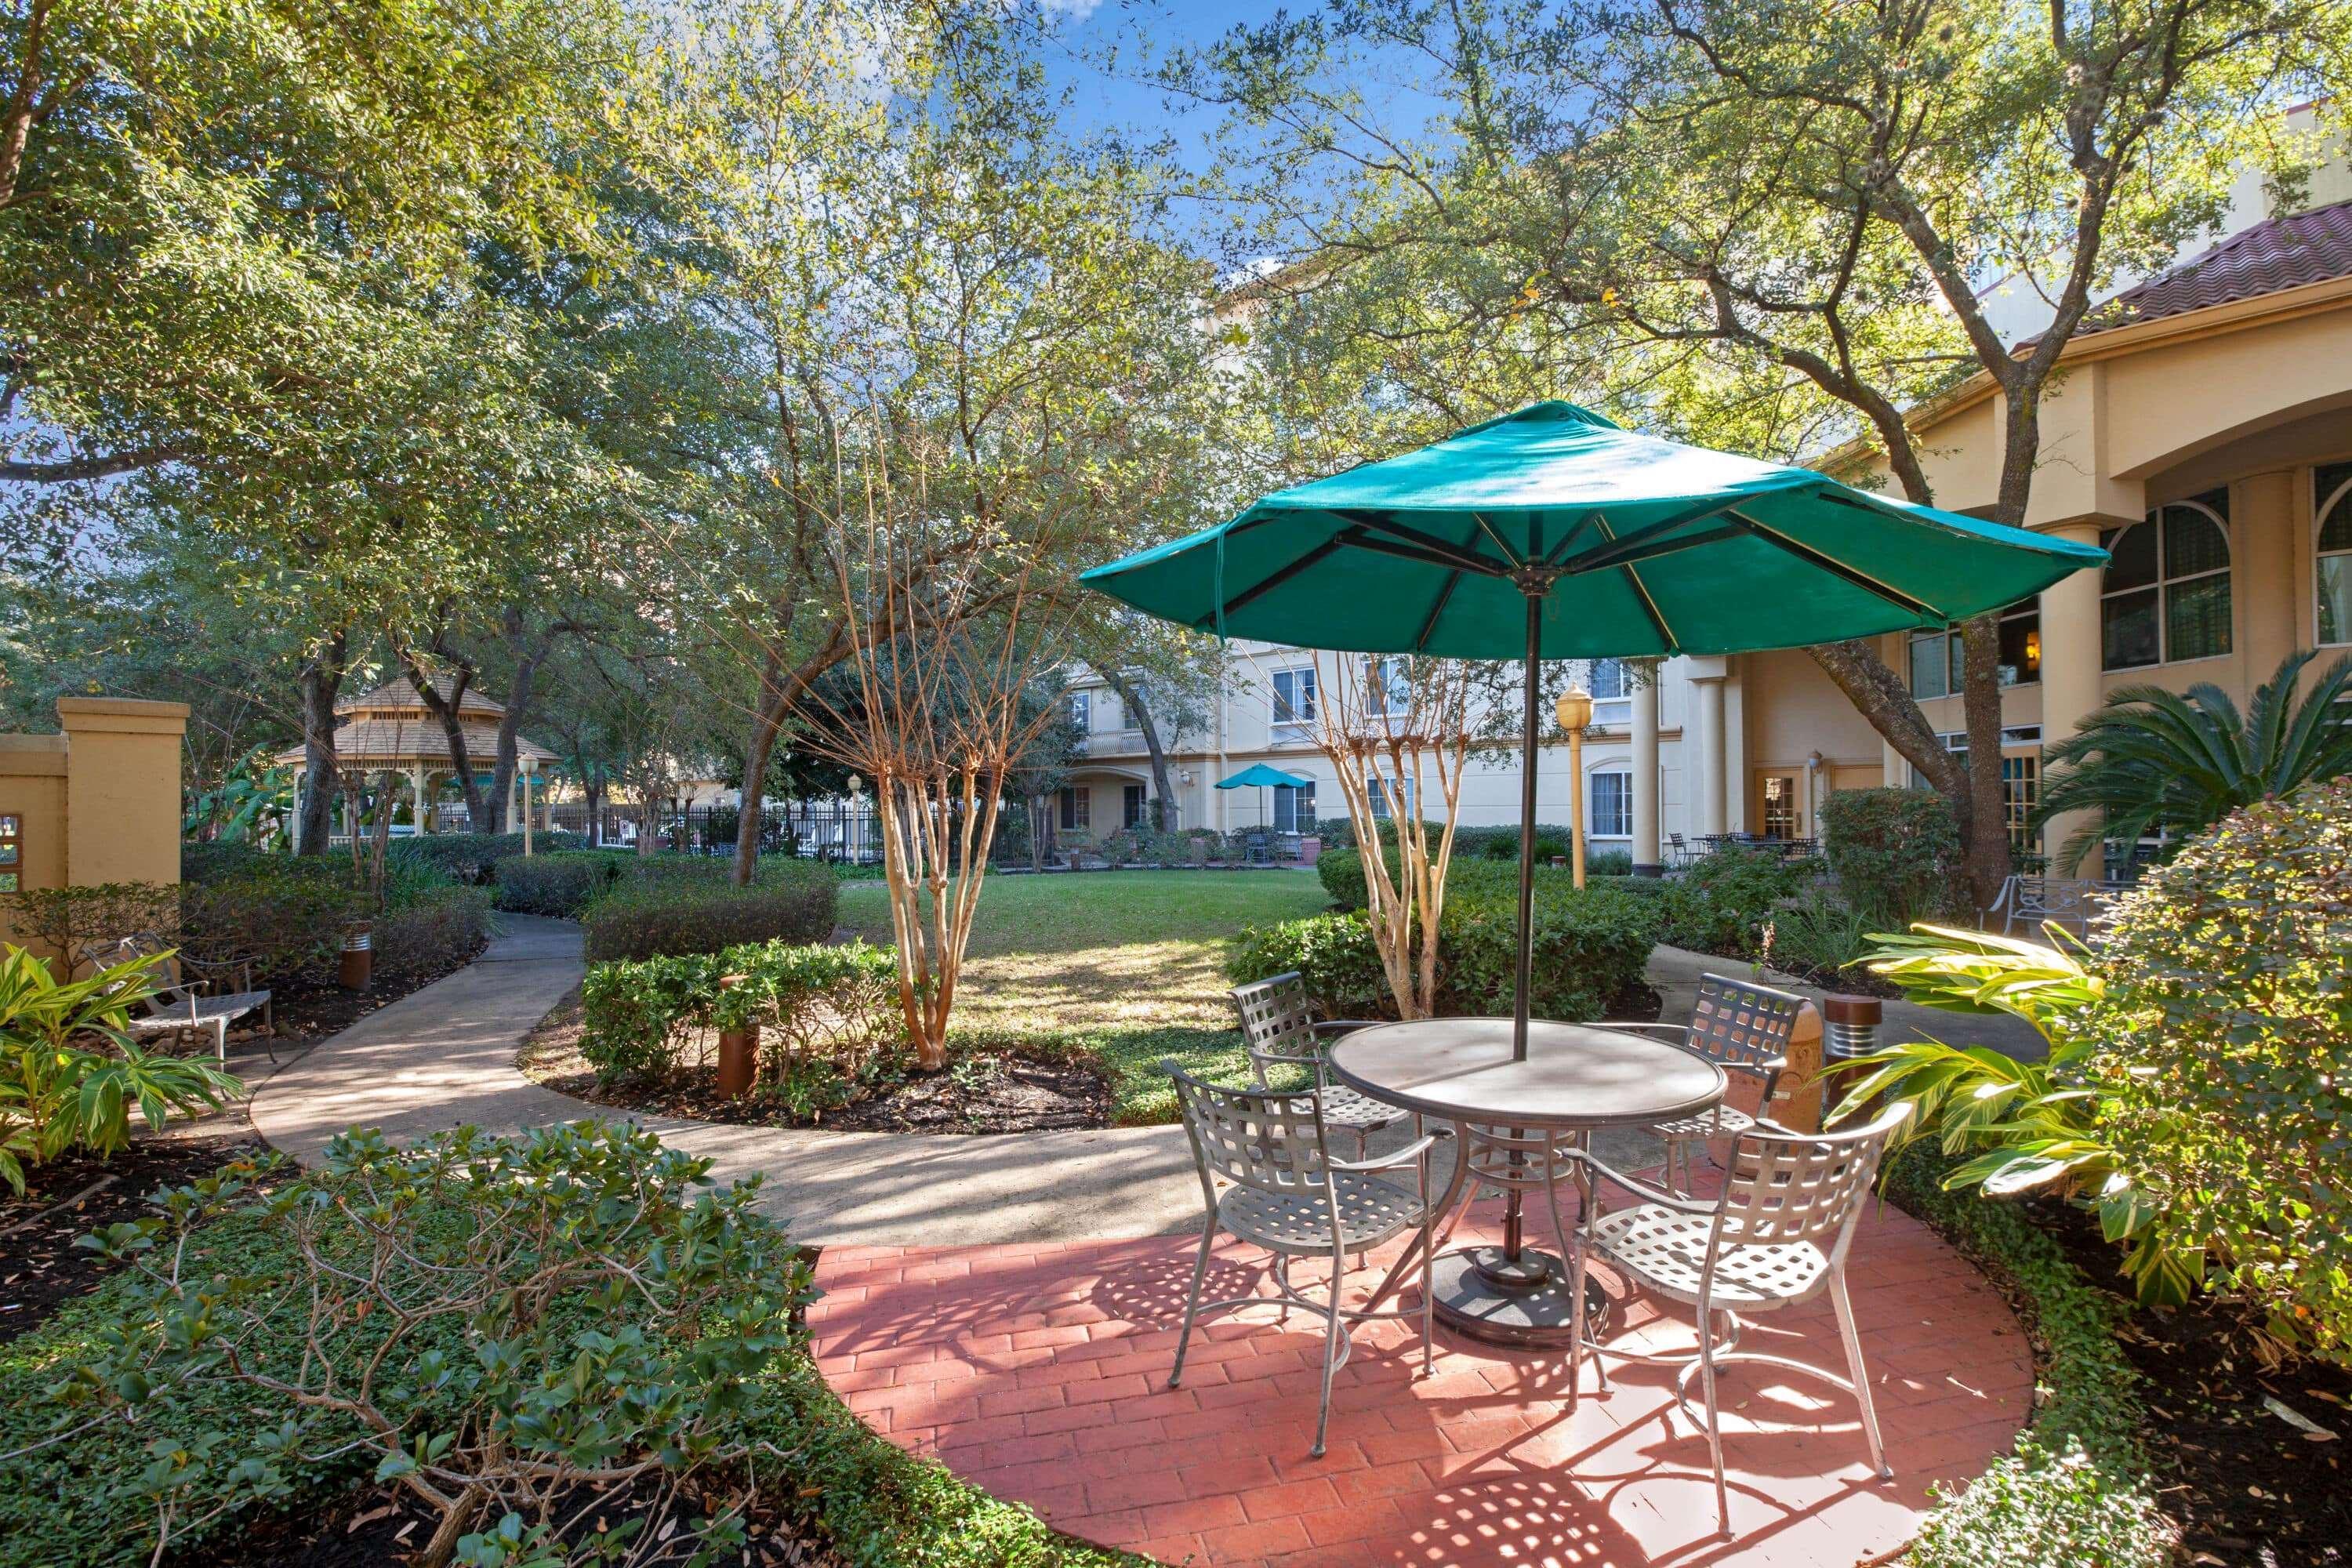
(1985, 832)
(321, 682)
(759, 746)
(449, 711)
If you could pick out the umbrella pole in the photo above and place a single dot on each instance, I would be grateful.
(1531, 717)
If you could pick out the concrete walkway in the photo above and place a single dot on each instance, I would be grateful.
(446, 1055)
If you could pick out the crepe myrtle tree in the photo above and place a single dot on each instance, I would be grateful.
(1770, 227)
(1394, 729)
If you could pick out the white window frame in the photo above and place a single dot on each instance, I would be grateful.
(1612, 709)
(1082, 711)
(1287, 719)
(1624, 792)
(1286, 799)
(1135, 802)
(2163, 584)
(1379, 797)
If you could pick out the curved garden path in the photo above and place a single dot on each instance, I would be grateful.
(1008, 1305)
(446, 1055)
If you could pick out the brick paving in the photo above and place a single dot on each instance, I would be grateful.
(1040, 1373)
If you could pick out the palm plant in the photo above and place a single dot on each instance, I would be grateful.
(2156, 760)
(56, 1095)
(2026, 1126)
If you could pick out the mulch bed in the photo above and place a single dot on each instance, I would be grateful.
(1004, 1092)
(2245, 1484)
(40, 1266)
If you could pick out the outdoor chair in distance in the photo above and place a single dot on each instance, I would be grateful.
(1742, 1028)
(1285, 1194)
(187, 1000)
(1776, 1236)
(1278, 1027)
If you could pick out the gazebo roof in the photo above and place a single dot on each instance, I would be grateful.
(400, 696)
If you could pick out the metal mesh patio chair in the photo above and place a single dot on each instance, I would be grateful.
(1743, 1028)
(189, 997)
(1776, 1236)
(1279, 1028)
(1284, 1193)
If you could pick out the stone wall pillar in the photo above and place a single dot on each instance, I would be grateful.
(122, 789)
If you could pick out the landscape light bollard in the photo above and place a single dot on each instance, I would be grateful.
(1853, 1026)
(358, 967)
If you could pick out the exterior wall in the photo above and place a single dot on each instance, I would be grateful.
(2249, 397)
(99, 803)
(1240, 730)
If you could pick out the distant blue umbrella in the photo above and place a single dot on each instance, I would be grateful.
(1263, 777)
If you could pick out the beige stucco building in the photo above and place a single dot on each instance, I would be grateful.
(2200, 427)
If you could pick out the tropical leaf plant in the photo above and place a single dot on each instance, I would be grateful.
(56, 1092)
(2024, 1126)
(2153, 760)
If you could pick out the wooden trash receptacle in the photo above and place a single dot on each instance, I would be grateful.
(738, 1061)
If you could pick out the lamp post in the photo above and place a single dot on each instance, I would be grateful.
(530, 766)
(1574, 711)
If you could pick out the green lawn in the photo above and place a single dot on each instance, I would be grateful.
(1127, 965)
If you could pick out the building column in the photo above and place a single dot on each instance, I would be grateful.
(1645, 769)
(1707, 676)
(2263, 578)
(2072, 687)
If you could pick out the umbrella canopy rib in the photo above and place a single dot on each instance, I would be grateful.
(1840, 570)
(1442, 552)
(1267, 584)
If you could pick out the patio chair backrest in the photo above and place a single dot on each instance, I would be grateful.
(1742, 1026)
(1277, 1025)
(1254, 1138)
(1796, 1186)
(164, 977)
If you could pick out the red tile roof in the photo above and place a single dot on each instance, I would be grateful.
(2273, 255)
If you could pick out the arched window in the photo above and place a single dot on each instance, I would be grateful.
(2167, 588)
(2331, 512)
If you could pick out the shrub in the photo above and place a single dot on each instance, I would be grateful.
(218, 861)
(65, 920)
(554, 1317)
(1722, 904)
(288, 917)
(434, 931)
(471, 857)
(1342, 873)
(2223, 1043)
(667, 913)
(820, 1009)
(560, 885)
(1895, 854)
(1590, 948)
(1817, 935)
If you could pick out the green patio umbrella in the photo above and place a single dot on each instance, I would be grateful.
(1263, 777)
(1553, 533)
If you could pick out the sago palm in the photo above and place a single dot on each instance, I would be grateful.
(2152, 759)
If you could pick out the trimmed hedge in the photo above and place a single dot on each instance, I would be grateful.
(664, 910)
(470, 856)
(2075, 1491)
(437, 930)
(1590, 948)
(560, 885)
(1341, 872)
(811, 1004)
(1895, 854)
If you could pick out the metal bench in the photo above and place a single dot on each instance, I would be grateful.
(188, 998)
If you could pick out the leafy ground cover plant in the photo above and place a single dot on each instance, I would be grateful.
(57, 1093)
(2075, 1489)
(514, 1332)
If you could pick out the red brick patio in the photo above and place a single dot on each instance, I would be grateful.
(1040, 1373)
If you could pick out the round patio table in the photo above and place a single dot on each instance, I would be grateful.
(1575, 1079)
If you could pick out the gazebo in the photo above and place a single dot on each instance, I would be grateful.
(390, 729)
